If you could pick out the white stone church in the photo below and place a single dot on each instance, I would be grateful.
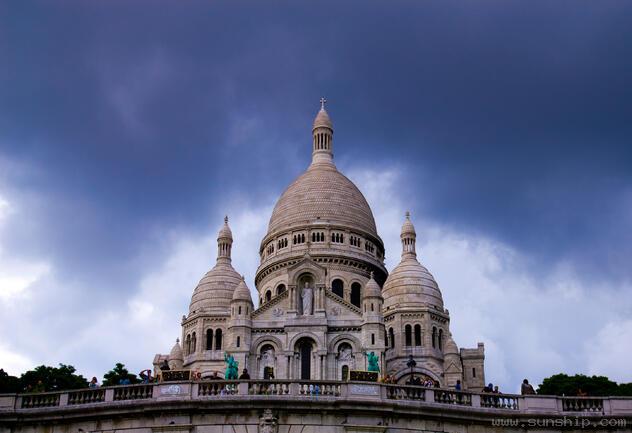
(325, 297)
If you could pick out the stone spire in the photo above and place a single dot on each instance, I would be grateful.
(322, 134)
(224, 242)
(408, 238)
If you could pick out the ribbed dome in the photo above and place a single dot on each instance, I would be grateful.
(242, 293)
(215, 290)
(322, 120)
(410, 284)
(322, 194)
(450, 347)
(176, 352)
(372, 289)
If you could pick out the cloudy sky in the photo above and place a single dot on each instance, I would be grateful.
(128, 130)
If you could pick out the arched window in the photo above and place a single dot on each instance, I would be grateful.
(386, 340)
(355, 294)
(337, 286)
(372, 338)
(188, 345)
(280, 289)
(218, 339)
(209, 339)
(440, 340)
(239, 310)
(345, 372)
(417, 335)
(434, 337)
(268, 296)
(391, 337)
(409, 333)
(193, 343)
(238, 341)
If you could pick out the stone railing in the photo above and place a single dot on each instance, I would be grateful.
(325, 391)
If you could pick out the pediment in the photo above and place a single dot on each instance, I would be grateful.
(306, 264)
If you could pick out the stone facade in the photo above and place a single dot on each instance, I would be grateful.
(321, 307)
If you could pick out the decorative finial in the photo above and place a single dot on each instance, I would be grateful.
(323, 101)
(371, 274)
(226, 219)
(407, 215)
(243, 278)
(177, 340)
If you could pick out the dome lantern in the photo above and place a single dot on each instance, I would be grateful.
(408, 237)
(322, 137)
(224, 242)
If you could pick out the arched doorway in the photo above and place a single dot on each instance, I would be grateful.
(305, 347)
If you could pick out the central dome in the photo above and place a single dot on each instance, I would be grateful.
(322, 194)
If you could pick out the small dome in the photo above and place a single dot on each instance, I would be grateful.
(242, 292)
(372, 289)
(215, 290)
(410, 284)
(408, 228)
(225, 232)
(176, 352)
(322, 120)
(450, 347)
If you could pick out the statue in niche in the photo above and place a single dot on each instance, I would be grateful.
(345, 353)
(307, 295)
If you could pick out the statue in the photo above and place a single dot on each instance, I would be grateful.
(345, 354)
(268, 423)
(373, 362)
(232, 367)
(307, 294)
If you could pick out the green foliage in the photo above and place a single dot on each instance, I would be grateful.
(563, 384)
(118, 375)
(8, 384)
(44, 378)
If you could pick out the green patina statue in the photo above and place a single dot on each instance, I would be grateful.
(232, 367)
(373, 362)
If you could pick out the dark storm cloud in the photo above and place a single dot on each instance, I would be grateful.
(512, 119)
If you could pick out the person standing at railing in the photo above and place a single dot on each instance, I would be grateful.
(94, 383)
(457, 387)
(244, 375)
(526, 388)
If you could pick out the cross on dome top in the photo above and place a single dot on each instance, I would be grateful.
(323, 101)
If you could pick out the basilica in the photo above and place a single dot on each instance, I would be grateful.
(325, 298)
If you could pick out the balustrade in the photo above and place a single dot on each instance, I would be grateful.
(217, 387)
(499, 401)
(40, 400)
(582, 404)
(453, 397)
(86, 396)
(405, 392)
(133, 392)
(332, 389)
(319, 388)
(267, 387)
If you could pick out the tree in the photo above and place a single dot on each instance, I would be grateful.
(562, 384)
(118, 375)
(8, 384)
(44, 378)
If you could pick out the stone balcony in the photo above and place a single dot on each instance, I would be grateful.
(288, 394)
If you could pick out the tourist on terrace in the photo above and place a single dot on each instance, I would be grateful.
(93, 383)
(489, 388)
(457, 387)
(244, 375)
(526, 388)
(214, 376)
